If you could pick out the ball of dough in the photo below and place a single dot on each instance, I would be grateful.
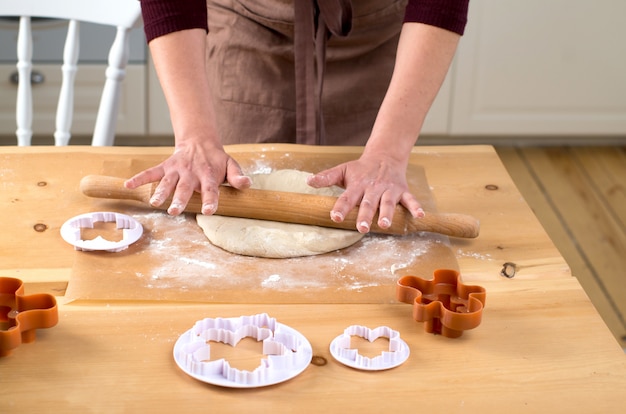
(262, 238)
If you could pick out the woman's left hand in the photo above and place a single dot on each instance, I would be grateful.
(373, 183)
(377, 180)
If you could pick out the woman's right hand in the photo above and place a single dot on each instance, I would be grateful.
(191, 168)
(199, 162)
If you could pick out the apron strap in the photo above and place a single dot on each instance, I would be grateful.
(315, 21)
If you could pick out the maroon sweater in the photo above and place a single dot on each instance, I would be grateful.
(165, 16)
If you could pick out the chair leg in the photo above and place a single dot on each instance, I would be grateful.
(104, 131)
(24, 112)
(65, 108)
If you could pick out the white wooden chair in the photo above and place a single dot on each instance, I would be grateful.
(122, 14)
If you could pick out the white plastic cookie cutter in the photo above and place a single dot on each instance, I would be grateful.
(398, 349)
(71, 231)
(288, 352)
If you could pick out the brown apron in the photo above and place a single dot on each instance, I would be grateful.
(250, 64)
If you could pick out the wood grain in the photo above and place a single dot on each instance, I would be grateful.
(49, 195)
(579, 195)
(540, 348)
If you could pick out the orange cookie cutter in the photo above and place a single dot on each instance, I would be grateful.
(446, 305)
(21, 315)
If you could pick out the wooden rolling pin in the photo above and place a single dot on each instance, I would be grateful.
(287, 207)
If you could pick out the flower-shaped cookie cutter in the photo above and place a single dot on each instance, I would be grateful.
(71, 231)
(397, 354)
(446, 305)
(288, 352)
(21, 315)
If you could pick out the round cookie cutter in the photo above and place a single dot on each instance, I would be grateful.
(288, 352)
(397, 354)
(71, 231)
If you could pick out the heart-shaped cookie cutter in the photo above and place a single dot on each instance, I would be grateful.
(288, 352)
(446, 305)
(21, 315)
(397, 354)
(71, 231)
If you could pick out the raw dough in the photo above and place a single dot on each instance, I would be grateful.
(272, 239)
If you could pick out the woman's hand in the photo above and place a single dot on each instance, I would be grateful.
(377, 180)
(374, 183)
(189, 169)
(199, 162)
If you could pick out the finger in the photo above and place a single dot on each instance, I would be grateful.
(182, 193)
(344, 204)
(150, 175)
(409, 201)
(386, 209)
(163, 190)
(367, 210)
(327, 178)
(209, 192)
(235, 176)
(210, 197)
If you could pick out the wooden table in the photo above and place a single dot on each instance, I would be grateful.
(541, 346)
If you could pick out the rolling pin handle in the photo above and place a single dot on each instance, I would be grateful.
(449, 224)
(113, 188)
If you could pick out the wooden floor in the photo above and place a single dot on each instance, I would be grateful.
(579, 195)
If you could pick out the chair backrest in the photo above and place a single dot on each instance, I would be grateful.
(122, 14)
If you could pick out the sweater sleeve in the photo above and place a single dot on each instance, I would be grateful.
(446, 14)
(161, 17)
(165, 16)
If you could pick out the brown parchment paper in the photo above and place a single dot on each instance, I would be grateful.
(173, 260)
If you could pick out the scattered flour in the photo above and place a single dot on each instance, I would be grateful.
(270, 280)
(474, 255)
(183, 258)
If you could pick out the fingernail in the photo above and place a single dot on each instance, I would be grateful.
(336, 216)
(208, 209)
(385, 223)
(155, 201)
(363, 227)
(420, 213)
(175, 208)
